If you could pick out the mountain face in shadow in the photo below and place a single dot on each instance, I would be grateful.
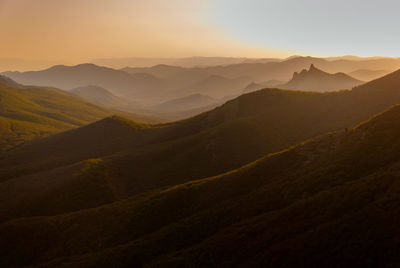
(343, 198)
(316, 80)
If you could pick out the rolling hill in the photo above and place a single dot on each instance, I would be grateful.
(316, 80)
(338, 192)
(234, 134)
(27, 112)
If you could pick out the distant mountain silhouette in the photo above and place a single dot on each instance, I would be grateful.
(282, 70)
(368, 75)
(140, 86)
(317, 80)
(148, 86)
(181, 62)
(252, 87)
(99, 96)
(186, 103)
(257, 86)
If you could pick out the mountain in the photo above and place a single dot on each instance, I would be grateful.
(215, 86)
(27, 112)
(257, 86)
(182, 82)
(252, 87)
(231, 135)
(140, 86)
(337, 192)
(186, 103)
(368, 75)
(317, 80)
(185, 107)
(281, 70)
(99, 96)
(181, 62)
(160, 71)
(148, 86)
(8, 82)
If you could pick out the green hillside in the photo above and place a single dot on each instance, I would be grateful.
(29, 112)
(338, 192)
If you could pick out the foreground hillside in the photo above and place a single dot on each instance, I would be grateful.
(147, 158)
(337, 192)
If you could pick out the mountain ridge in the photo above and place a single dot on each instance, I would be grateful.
(217, 215)
(315, 79)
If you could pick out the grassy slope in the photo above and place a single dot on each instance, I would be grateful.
(43, 111)
(338, 192)
(28, 112)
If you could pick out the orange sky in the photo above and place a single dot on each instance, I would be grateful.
(79, 30)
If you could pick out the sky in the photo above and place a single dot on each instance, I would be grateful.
(80, 30)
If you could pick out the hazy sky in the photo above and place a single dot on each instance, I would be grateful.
(79, 30)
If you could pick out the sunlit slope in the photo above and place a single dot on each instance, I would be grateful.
(338, 192)
(27, 112)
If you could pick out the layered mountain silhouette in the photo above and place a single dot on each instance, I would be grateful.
(234, 134)
(315, 79)
(145, 87)
(269, 179)
(140, 86)
(99, 96)
(253, 87)
(368, 75)
(186, 103)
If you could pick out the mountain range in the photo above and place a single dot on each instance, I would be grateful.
(157, 196)
(265, 178)
(234, 134)
(315, 79)
(146, 87)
